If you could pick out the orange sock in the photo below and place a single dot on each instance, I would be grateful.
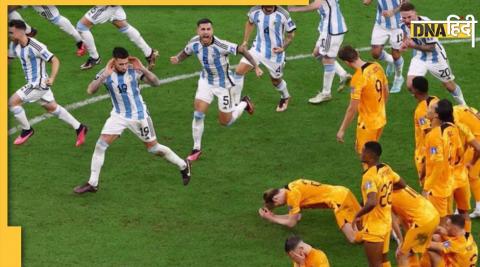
(468, 226)
(386, 264)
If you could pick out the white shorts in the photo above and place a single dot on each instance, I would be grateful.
(49, 12)
(380, 36)
(30, 93)
(143, 128)
(328, 45)
(441, 70)
(206, 92)
(102, 14)
(274, 68)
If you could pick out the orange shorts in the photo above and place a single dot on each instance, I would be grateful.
(417, 238)
(462, 196)
(368, 237)
(440, 204)
(365, 135)
(347, 210)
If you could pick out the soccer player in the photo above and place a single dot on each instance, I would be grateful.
(420, 120)
(453, 246)
(387, 28)
(121, 77)
(332, 29)
(115, 14)
(420, 218)
(268, 48)
(428, 55)
(368, 96)
(375, 215)
(215, 80)
(34, 56)
(304, 194)
(303, 254)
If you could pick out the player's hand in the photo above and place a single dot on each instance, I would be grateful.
(265, 213)
(109, 67)
(403, 47)
(174, 60)
(340, 135)
(136, 63)
(410, 43)
(398, 252)
(292, 8)
(50, 81)
(355, 223)
(297, 258)
(258, 71)
(388, 13)
(367, 2)
(244, 46)
(278, 50)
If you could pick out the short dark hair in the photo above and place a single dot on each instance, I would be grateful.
(374, 147)
(407, 7)
(19, 24)
(204, 21)
(420, 83)
(120, 52)
(348, 53)
(268, 197)
(458, 220)
(292, 242)
(445, 110)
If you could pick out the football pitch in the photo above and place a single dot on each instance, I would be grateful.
(142, 215)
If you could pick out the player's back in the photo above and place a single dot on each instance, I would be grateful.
(461, 251)
(467, 116)
(312, 194)
(437, 177)
(421, 122)
(413, 207)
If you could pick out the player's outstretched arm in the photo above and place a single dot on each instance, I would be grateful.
(287, 219)
(312, 6)
(349, 116)
(179, 57)
(55, 67)
(242, 50)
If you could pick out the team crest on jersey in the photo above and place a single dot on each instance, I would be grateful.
(447, 244)
(45, 54)
(232, 49)
(289, 208)
(291, 24)
(422, 121)
(433, 150)
(368, 185)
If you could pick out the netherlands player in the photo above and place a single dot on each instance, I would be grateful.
(387, 28)
(121, 77)
(215, 80)
(268, 48)
(303, 254)
(304, 194)
(332, 29)
(369, 93)
(116, 15)
(33, 56)
(428, 55)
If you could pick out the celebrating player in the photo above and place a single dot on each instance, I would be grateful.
(303, 254)
(34, 56)
(121, 76)
(215, 80)
(268, 48)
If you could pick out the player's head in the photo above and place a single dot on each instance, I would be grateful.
(444, 110)
(120, 59)
(16, 29)
(408, 13)
(205, 30)
(268, 9)
(419, 86)
(455, 224)
(273, 198)
(371, 152)
(295, 248)
(348, 54)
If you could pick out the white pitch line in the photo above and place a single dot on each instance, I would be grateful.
(96, 99)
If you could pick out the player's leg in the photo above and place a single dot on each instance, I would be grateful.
(441, 205)
(344, 76)
(15, 103)
(203, 98)
(163, 151)
(455, 91)
(14, 15)
(345, 216)
(239, 76)
(83, 28)
(229, 113)
(442, 71)
(379, 38)
(373, 250)
(462, 197)
(474, 180)
(396, 38)
(281, 86)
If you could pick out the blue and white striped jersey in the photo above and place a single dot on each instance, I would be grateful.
(270, 31)
(331, 18)
(33, 57)
(214, 59)
(426, 56)
(124, 91)
(389, 23)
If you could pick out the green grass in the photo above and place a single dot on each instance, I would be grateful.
(142, 215)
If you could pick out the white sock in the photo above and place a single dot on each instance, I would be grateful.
(339, 70)
(477, 205)
(136, 38)
(97, 162)
(88, 40)
(14, 15)
(282, 89)
(197, 129)
(168, 154)
(237, 89)
(66, 26)
(65, 116)
(19, 114)
(398, 67)
(237, 112)
(328, 75)
(458, 95)
(386, 57)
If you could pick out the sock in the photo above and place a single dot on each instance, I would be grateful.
(66, 26)
(458, 95)
(328, 75)
(386, 57)
(136, 38)
(339, 70)
(237, 89)
(197, 129)
(398, 67)
(14, 15)
(88, 40)
(237, 112)
(386, 264)
(468, 225)
(282, 89)
(97, 161)
(65, 116)
(168, 154)
(19, 114)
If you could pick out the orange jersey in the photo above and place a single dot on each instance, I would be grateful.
(466, 116)
(422, 124)
(369, 85)
(304, 194)
(460, 251)
(315, 258)
(412, 207)
(379, 179)
(438, 179)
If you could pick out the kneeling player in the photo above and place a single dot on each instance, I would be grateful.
(304, 255)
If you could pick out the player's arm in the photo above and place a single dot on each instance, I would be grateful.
(249, 27)
(476, 145)
(100, 79)
(367, 2)
(312, 6)
(436, 246)
(55, 67)
(243, 50)
(289, 220)
(288, 39)
(148, 76)
(349, 116)
(423, 47)
(181, 56)
(369, 206)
